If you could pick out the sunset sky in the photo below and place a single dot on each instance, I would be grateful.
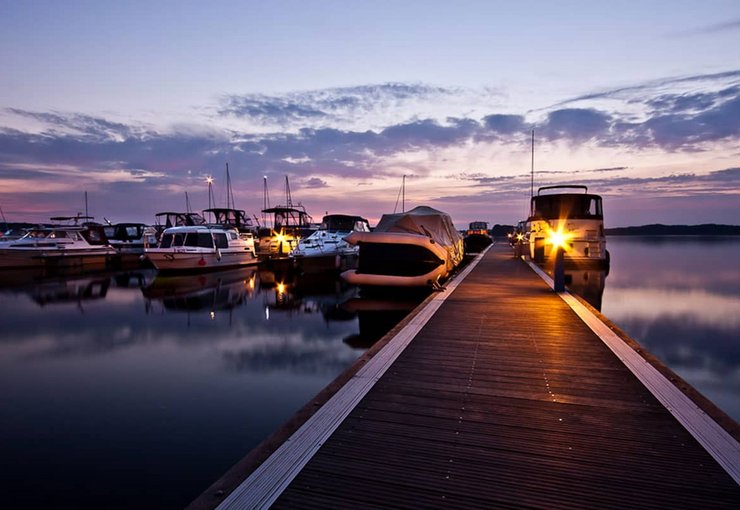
(137, 102)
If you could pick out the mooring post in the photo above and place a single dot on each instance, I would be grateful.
(559, 270)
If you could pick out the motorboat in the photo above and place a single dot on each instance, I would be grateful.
(201, 248)
(57, 246)
(325, 250)
(417, 248)
(290, 224)
(477, 237)
(571, 220)
(130, 238)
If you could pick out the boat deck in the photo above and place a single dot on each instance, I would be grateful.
(505, 398)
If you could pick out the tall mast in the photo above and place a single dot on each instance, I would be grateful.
(265, 200)
(403, 199)
(288, 198)
(230, 203)
(86, 214)
(187, 203)
(531, 189)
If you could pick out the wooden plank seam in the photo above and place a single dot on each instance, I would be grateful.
(273, 476)
(712, 437)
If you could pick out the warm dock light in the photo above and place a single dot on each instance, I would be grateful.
(209, 180)
(519, 237)
(558, 238)
(281, 288)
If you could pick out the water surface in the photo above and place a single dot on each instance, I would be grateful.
(138, 391)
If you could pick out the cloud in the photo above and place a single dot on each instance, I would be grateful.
(576, 124)
(332, 104)
(727, 26)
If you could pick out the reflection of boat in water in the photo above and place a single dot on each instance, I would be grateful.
(60, 246)
(477, 237)
(325, 250)
(573, 220)
(201, 248)
(412, 249)
(208, 291)
(70, 291)
(377, 317)
(584, 281)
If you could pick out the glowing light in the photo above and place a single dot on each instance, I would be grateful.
(213, 315)
(519, 237)
(280, 238)
(558, 238)
(281, 288)
(209, 179)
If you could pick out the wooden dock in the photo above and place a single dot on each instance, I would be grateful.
(501, 394)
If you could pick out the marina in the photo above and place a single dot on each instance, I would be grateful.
(204, 339)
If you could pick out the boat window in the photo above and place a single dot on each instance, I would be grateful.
(221, 241)
(234, 237)
(178, 240)
(568, 206)
(191, 239)
(132, 232)
(74, 236)
(205, 240)
(361, 226)
(109, 231)
(166, 241)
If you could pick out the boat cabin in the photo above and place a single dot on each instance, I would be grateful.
(344, 223)
(575, 206)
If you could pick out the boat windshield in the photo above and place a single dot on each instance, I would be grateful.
(571, 206)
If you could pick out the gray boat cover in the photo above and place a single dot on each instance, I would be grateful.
(426, 221)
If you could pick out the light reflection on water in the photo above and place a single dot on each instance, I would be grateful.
(680, 298)
(136, 390)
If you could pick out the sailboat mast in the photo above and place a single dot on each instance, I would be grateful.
(531, 188)
(288, 198)
(403, 199)
(86, 214)
(229, 192)
(187, 203)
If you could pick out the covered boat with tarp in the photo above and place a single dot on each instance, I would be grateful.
(417, 248)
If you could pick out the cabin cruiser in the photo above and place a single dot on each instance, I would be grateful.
(201, 248)
(417, 248)
(574, 221)
(477, 237)
(290, 225)
(59, 246)
(326, 249)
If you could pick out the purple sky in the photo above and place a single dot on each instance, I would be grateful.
(138, 103)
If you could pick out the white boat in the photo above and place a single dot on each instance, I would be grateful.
(201, 248)
(574, 221)
(58, 246)
(417, 248)
(326, 249)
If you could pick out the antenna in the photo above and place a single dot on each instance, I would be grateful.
(531, 189)
(187, 203)
(86, 214)
(265, 200)
(288, 198)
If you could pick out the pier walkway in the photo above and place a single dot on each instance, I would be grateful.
(505, 398)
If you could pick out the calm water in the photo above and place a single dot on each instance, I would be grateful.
(136, 391)
(680, 298)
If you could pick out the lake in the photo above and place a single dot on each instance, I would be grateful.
(137, 391)
(131, 390)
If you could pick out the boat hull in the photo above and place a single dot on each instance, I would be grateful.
(397, 259)
(18, 258)
(170, 260)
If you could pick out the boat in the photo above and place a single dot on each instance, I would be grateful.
(325, 250)
(572, 220)
(130, 238)
(57, 246)
(290, 224)
(417, 248)
(201, 248)
(477, 237)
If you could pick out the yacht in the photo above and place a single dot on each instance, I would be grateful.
(290, 225)
(417, 248)
(326, 250)
(477, 237)
(130, 238)
(573, 220)
(201, 248)
(58, 246)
